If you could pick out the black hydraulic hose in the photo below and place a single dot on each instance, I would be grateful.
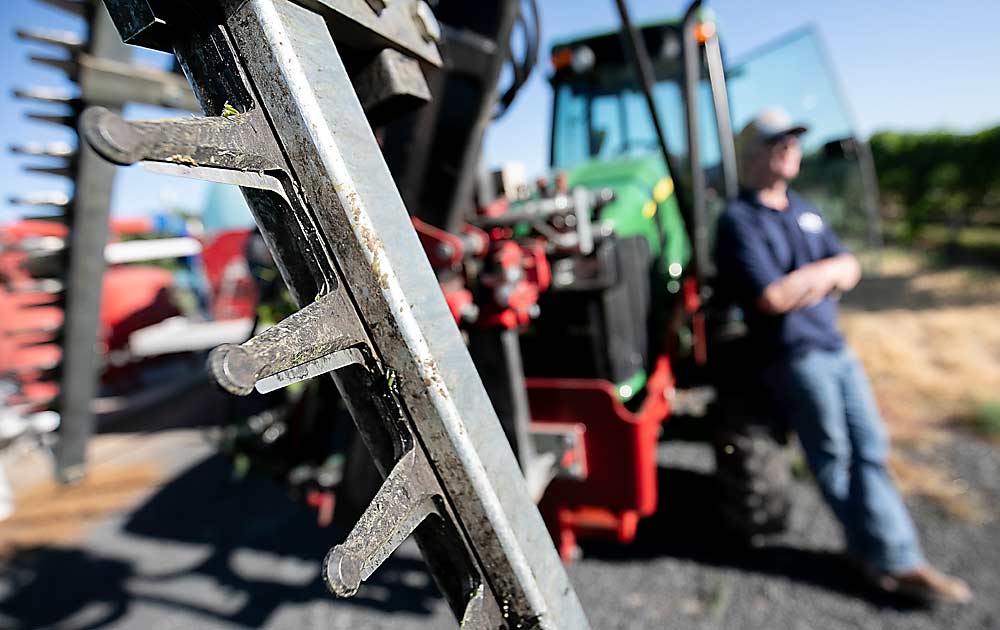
(463, 197)
(644, 73)
(646, 79)
(522, 70)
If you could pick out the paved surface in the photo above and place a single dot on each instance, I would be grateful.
(205, 551)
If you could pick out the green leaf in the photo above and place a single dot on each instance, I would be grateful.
(228, 111)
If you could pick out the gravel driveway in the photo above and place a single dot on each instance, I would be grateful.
(205, 551)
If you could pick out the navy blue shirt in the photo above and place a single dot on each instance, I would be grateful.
(757, 245)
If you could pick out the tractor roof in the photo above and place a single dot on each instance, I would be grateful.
(662, 40)
(611, 34)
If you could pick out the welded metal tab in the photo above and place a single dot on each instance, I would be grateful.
(246, 179)
(397, 25)
(140, 23)
(311, 369)
(390, 85)
(564, 444)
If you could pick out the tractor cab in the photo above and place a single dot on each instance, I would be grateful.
(601, 119)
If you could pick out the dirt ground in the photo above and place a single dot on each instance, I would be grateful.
(930, 341)
(931, 344)
(163, 536)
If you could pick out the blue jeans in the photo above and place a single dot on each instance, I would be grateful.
(829, 402)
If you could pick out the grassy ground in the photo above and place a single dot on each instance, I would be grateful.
(928, 335)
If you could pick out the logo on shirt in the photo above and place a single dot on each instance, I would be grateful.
(810, 222)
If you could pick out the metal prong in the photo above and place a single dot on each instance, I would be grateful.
(41, 244)
(302, 337)
(68, 65)
(110, 81)
(36, 329)
(55, 199)
(52, 149)
(64, 39)
(37, 285)
(61, 170)
(66, 120)
(54, 218)
(233, 142)
(46, 95)
(399, 507)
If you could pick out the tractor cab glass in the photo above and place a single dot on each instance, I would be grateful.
(600, 112)
(837, 175)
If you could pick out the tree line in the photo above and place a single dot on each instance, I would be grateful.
(939, 177)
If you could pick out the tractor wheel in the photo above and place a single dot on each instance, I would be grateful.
(754, 477)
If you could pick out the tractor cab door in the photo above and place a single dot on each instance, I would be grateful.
(794, 72)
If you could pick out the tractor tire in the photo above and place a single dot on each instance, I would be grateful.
(754, 477)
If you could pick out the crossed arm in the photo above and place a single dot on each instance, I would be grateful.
(744, 256)
(807, 285)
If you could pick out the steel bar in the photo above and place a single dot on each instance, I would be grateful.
(701, 257)
(87, 239)
(305, 88)
(723, 121)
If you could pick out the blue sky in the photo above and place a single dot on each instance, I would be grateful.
(912, 65)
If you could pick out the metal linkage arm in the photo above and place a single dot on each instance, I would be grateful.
(303, 150)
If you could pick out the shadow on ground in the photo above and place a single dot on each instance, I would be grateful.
(202, 509)
(689, 525)
(205, 509)
(902, 292)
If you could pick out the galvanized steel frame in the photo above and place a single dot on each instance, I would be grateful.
(339, 228)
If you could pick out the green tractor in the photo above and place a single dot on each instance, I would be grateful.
(587, 305)
(630, 333)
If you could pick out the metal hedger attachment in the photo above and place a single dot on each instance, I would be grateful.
(289, 122)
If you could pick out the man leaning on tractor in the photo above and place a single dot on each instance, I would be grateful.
(785, 268)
